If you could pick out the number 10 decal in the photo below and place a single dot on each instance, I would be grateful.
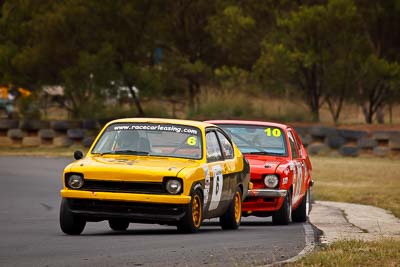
(218, 183)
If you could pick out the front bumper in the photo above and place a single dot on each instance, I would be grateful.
(98, 210)
(261, 202)
(266, 193)
(128, 197)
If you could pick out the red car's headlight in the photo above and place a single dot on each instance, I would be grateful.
(271, 180)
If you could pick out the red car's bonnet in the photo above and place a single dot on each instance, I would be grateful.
(261, 164)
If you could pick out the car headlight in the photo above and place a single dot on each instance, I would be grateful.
(271, 180)
(173, 186)
(75, 181)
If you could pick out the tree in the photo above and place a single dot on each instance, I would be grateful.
(83, 46)
(238, 29)
(304, 53)
(190, 51)
(377, 84)
(380, 20)
(16, 24)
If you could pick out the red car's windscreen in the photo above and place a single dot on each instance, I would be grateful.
(257, 139)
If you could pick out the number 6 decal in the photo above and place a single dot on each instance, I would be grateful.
(218, 183)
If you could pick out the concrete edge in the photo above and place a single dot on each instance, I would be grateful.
(310, 243)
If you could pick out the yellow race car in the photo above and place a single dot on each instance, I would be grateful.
(173, 172)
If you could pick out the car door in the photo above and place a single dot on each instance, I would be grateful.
(305, 160)
(229, 171)
(217, 182)
(298, 168)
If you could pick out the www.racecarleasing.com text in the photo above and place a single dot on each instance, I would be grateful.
(156, 127)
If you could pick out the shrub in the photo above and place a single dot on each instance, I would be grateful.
(226, 104)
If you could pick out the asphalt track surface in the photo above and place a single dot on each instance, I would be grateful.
(30, 233)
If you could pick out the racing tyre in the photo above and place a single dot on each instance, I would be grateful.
(70, 223)
(301, 213)
(231, 219)
(193, 218)
(118, 224)
(284, 214)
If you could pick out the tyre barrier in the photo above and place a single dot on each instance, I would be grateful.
(394, 141)
(46, 136)
(367, 143)
(76, 134)
(33, 125)
(335, 141)
(62, 141)
(317, 149)
(381, 151)
(87, 142)
(103, 122)
(349, 151)
(382, 135)
(306, 140)
(64, 125)
(320, 132)
(6, 125)
(318, 140)
(303, 131)
(16, 134)
(90, 125)
(31, 141)
(351, 135)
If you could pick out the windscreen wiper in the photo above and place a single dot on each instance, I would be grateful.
(126, 151)
(263, 153)
(131, 152)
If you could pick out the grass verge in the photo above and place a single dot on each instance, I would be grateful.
(370, 181)
(351, 253)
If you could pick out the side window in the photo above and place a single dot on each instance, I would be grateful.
(293, 145)
(227, 148)
(298, 143)
(213, 149)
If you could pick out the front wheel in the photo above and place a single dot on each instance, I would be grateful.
(70, 223)
(284, 214)
(232, 217)
(118, 224)
(301, 213)
(193, 218)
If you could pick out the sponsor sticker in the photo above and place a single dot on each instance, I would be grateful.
(192, 141)
(273, 132)
(154, 127)
(207, 182)
(218, 183)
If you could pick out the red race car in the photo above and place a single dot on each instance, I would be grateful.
(280, 169)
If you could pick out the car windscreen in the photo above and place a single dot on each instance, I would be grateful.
(257, 139)
(150, 139)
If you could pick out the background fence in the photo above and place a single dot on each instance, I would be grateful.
(319, 140)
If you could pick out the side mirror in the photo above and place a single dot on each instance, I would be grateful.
(78, 154)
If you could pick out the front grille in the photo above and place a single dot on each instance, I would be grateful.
(122, 207)
(259, 183)
(124, 187)
(258, 199)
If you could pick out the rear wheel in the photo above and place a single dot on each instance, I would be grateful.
(284, 214)
(70, 223)
(301, 213)
(118, 224)
(232, 217)
(193, 218)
